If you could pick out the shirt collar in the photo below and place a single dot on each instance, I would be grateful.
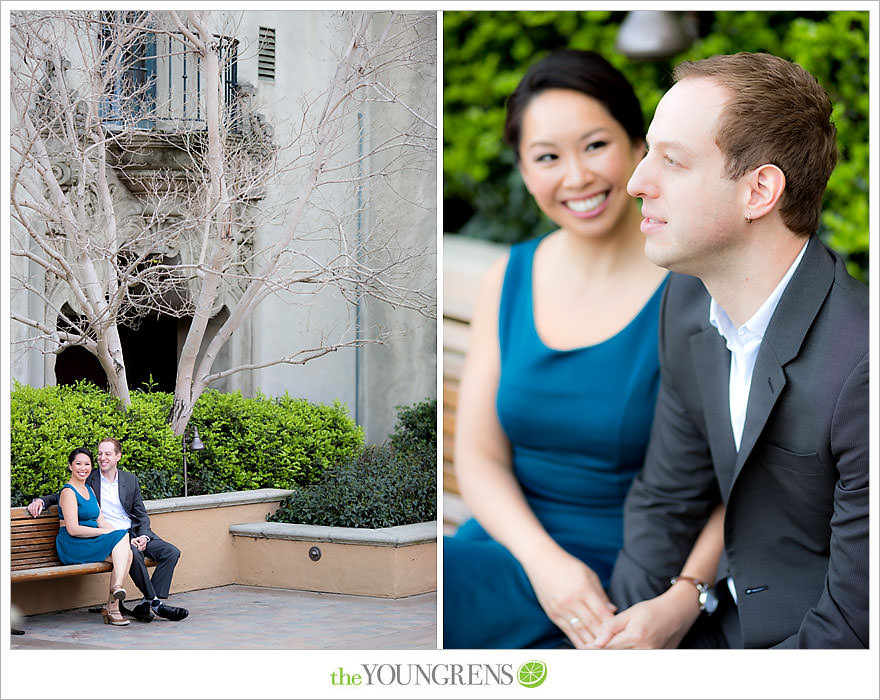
(756, 326)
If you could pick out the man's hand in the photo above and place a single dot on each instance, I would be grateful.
(140, 542)
(35, 507)
(657, 623)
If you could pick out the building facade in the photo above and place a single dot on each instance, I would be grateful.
(374, 211)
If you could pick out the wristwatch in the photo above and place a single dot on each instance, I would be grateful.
(707, 598)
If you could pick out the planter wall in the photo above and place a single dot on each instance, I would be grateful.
(389, 562)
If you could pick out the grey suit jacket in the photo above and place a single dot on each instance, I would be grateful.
(796, 527)
(129, 495)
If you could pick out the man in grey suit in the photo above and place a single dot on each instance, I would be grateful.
(122, 505)
(763, 404)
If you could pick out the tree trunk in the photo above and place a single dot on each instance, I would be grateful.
(110, 356)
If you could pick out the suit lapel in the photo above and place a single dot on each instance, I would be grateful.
(712, 369)
(94, 480)
(123, 487)
(788, 327)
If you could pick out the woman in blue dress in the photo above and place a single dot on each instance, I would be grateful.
(558, 389)
(84, 536)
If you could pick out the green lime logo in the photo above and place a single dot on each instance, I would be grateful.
(531, 674)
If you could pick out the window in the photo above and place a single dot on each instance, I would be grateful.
(266, 60)
(130, 58)
(158, 81)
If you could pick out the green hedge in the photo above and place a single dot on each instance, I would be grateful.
(486, 53)
(383, 486)
(249, 442)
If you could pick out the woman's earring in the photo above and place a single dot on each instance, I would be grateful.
(749, 218)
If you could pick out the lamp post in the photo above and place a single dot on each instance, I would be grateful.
(196, 444)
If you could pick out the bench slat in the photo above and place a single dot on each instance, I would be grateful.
(49, 570)
(35, 561)
(33, 537)
(21, 513)
(35, 573)
(31, 542)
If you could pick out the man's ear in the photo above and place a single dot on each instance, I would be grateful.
(766, 184)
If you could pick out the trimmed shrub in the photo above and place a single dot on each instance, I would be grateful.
(250, 443)
(279, 442)
(45, 425)
(383, 486)
(416, 426)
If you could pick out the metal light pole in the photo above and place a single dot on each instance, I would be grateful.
(196, 444)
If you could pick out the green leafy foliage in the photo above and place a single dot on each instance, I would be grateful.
(416, 427)
(255, 442)
(45, 425)
(486, 54)
(250, 442)
(383, 486)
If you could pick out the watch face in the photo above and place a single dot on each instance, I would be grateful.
(708, 601)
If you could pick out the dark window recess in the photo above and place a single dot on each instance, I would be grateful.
(266, 60)
(150, 352)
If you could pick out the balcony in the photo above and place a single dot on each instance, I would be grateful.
(155, 107)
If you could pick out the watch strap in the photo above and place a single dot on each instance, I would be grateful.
(706, 598)
(700, 585)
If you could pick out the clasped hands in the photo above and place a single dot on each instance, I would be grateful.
(572, 596)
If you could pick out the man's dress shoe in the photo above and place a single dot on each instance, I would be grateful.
(142, 612)
(169, 612)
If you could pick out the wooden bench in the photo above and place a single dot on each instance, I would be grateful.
(465, 262)
(33, 556)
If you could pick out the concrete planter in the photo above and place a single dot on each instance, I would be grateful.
(392, 562)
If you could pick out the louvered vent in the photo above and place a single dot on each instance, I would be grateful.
(266, 64)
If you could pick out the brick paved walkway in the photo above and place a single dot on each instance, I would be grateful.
(249, 617)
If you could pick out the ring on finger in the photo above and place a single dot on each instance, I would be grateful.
(574, 621)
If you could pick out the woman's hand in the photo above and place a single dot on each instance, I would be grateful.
(570, 593)
(658, 623)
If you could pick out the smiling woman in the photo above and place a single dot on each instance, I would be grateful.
(559, 383)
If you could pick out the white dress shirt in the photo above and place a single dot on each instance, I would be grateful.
(111, 506)
(744, 343)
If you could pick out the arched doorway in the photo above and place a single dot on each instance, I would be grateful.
(150, 352)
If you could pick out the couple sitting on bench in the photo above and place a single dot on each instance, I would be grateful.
(103, 518)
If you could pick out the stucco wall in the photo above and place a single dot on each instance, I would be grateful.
(391, 562)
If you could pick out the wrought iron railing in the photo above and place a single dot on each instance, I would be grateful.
(157, 82)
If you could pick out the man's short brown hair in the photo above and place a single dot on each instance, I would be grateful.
(116, 444)
(778, 114)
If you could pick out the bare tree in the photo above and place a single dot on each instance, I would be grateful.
(87, 114)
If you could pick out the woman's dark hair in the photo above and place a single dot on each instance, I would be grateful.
(80, 451)
(582, 71)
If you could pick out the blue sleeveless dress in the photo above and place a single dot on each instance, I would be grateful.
(578, 423)
(83, 550)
